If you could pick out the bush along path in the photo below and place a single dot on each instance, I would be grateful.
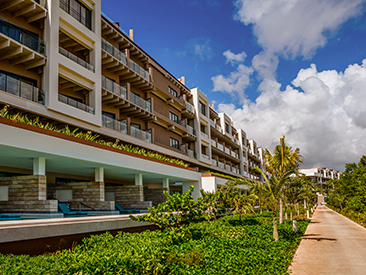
(225, 246)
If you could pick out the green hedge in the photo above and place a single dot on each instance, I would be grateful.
(226, 246)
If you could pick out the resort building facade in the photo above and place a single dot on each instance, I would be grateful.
(67, 63)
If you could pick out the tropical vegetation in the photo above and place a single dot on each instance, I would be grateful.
(88, 135)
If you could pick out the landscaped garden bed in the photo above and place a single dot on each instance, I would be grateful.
(225, 246)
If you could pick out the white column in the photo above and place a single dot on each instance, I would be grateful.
(99, 174)
(166, 183)
(138, 179)
(39, 166)
(197, 186)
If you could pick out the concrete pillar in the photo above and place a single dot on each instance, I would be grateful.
(39, 166)
(197, 186)
(99, 174)
(138, 179)
(166, 183)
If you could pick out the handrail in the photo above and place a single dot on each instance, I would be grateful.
(76, 59)
(64, 5)
(76, 104)
(112, 50)
(114, 87)
(139, 70)
(144, 104)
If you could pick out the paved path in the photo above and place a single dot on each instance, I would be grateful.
(332, 244)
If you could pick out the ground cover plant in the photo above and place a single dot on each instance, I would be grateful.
(225, 246)
(88, 135)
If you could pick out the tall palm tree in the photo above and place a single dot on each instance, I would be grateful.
(283, 159)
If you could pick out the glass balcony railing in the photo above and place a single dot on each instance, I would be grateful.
(213, 142)
(204, 134)
(190, 107)
(233, 154)
(139, 70)
(227, 150)
(220, 146)
(218, 128)
(113, 22)
(112, 50)
(140, 134)
(205, 157)
(144, 104)
(234, 170)
(212, 123)
(113, 87)
(75, 103)
(21, 89)
(78, 11)
(221, 165)
(183, 122)
(119, 126)
(191, 130)
(192, 153)
(76, 59)
(214, 162)
(23, 37)
(227, 167)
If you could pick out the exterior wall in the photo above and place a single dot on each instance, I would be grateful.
(155, 195)
(81, 191)
(127, 195)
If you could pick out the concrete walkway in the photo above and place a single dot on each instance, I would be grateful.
(332, 244)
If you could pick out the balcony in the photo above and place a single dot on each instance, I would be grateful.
(227, 150)
(113, 51)
(221, 165)
(76, 59)
(21, 46)
(220, 146)
(205, 157)
(234, 170)
(213, 142)
(119, 126)
(190, 107)
(139, 70)
(212, 123)
(71, 102)
(233, 154)
(227, 167)
(192, 153)
(79, 12)
(31, 10)
(140, 134)
(191, 130)
(214, 162)
(204, 135)
(113, 87)
(144, 104)
(21, 89)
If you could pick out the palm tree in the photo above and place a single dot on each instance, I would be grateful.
(284, 159)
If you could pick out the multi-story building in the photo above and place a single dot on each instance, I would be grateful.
(67, 63)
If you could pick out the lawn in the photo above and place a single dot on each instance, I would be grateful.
(226, 246)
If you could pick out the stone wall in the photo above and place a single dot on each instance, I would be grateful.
(27, 194)
(127, 195)
(155, 195)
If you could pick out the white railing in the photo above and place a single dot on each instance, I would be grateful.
(112, 50)
(139, 70)
(220, 146)
(76, 59)
(114, 87)
(192, 153)
(119, 126)
(221, 165)
(190, 107)
(233, 154)
(214, 162)
(140, 134)
(191, 130)
(21, 89)
(75, 103)
(144, 104)
(213, 142)
(204, 134)
(205, 157)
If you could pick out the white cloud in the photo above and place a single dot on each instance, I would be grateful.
(323, 114)
(295, 27)
(201, 47)
(233, 58)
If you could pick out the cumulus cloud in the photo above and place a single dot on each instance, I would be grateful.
(233, 58)
(295, 27)
(323, 114)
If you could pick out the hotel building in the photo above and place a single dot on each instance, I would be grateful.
(67, 63)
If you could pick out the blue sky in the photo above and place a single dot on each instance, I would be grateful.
(315, 46)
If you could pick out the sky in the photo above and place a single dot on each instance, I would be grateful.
(276, 67)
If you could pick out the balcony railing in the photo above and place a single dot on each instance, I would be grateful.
(113, 87)
(227, 150)
(191, 130)
(144, 104)
(183, 122)
(139, 70)
(204, 134)
(76, 104)
(214, 162)
(233, 154)
(119, 126)
(76, 59)
(140, 134)
(192, 154)
(113, 22)
(227, 167)
(234, 170)
(220, 146)
(213, 142)
(23, 37)
(221, 165)
(84, 19)
(21, 89)
(190, 107)
(218, 128)
(205, 157)
(212, 123)
(112, 50)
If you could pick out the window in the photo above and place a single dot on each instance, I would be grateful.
(204, 150)
(203, 108)
(174, 143)
(77, 10)
(203, 128)
(173, 117)
(227, 128)
(173, 92)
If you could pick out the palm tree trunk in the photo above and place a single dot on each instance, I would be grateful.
(275, 231)
(281, 211)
